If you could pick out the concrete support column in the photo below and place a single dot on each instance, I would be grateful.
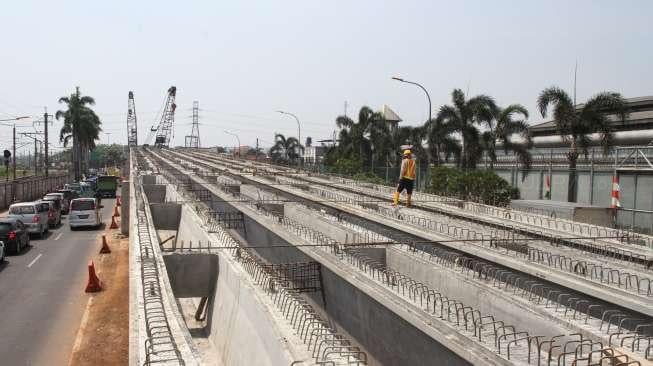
(124, 208)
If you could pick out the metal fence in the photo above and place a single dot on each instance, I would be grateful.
(29, 189)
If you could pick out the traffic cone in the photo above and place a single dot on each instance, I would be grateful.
(115, 211)
(113, 223)
(105, 247)
(118, 201)
(94, 284)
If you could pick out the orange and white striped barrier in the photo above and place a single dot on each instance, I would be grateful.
(615, 193)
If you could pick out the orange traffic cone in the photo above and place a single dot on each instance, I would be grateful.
(94, 284)
(118, 201)
(105, 247)
(115, 211)
(113, 223)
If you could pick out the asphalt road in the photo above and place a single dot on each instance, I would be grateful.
(42, 298)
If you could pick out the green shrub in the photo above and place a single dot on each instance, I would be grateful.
(475, 185)
(351, 167)
(346, 166)
(369, 177)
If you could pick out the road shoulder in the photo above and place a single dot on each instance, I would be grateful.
(103, 336)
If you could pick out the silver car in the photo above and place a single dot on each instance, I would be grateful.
(84, 212)
(34, 215)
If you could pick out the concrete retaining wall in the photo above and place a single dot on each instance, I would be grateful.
(192, 274)
(149, 179)
(166, 216)
(29, 189)
(241, 330)
(156, 193)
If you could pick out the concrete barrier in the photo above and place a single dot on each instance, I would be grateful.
(124, 207)
(29, 188)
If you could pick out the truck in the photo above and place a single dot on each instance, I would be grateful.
(107, 186)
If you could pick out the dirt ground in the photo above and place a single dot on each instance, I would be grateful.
(103, 337)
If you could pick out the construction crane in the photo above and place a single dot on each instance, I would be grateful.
(132, 130)
(164, 129)
(193, 140)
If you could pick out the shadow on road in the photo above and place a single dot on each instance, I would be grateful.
(25, 250)
(89, 228)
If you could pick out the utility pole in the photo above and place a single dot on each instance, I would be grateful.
(14, 152)
(36, 146)
(45, 158)
(46, 155)
(256, 158)
(36, 157)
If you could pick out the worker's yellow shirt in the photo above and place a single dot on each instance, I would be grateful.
(408, 169)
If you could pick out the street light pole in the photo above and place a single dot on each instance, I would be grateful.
(299, 130)
(437, 149)
(299, 127)
(237, 139)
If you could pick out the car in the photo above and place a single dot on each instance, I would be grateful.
(54, 212)
(13, 234)
(58, 198)
(33, 215)
(84, 212)
(68, 195)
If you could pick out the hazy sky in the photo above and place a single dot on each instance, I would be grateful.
(242, 60)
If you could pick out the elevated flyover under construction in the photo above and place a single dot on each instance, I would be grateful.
(237, 262)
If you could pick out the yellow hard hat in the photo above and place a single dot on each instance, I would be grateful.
(407, 152)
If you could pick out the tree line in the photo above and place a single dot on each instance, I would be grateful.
(464, 130)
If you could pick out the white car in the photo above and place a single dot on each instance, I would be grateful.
(84, 212)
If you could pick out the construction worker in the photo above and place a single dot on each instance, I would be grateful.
(406, 178)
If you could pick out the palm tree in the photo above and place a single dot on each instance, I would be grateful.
(576, 124)
(504, 127)
(354, 135)
(440, 133)
(81, 125)
(284, 149)
(463, 117)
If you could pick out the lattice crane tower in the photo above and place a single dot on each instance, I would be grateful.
(132, 129)
(164, 129)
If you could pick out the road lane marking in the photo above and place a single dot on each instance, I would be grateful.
(58, 236)
(34, 260)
